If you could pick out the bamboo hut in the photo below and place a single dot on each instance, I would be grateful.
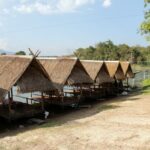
(69, 77)
(115, 71)
(97, 70)
(27, 75)
(127, 69)
(128, 72)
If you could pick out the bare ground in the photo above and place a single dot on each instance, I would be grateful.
(122, 123)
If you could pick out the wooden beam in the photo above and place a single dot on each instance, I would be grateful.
(31, 52)
(42, 101)
(9, 103)
(12, 94)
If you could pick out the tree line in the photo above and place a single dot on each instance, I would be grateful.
(110, 51)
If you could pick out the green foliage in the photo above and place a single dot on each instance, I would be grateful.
(146, 82)
(146, 86)
(20, 53)
(109, 51)
(145, 25)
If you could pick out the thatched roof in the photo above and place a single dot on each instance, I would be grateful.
(65, 71)
(97, 71)
(23, 71)
(115, 70)
(127, 69)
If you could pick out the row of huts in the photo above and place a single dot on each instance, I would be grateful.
(58, 81)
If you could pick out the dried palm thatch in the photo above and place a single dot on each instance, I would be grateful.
(34, 79)
(115, 70)
(97, 71)
(48, 64)
(127, 69)
(66, 71)
(15, 70)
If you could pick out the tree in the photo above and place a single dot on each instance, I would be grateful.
(3, 53)
(145, 26)
(109, 51)
(20, 53)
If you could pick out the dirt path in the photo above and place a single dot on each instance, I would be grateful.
(123, 123)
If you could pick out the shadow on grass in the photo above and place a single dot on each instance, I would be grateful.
(146, 87)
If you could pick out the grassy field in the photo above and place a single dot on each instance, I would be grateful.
(146, 86)
(140, 67)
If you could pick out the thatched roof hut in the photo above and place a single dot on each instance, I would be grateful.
(23, 71)
(65, 71)
(127, 69)
(115, 70)
(97, 71)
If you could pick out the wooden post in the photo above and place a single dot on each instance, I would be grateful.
(42, 102)
(11, 94)
(27, 101)
(127, 84)
(9, 104)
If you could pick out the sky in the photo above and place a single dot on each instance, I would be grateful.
(58, 27)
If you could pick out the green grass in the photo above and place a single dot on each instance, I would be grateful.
(51, 123)
(146, 86)
(106, 107)
(137, 67)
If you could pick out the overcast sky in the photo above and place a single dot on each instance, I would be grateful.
(57, 27)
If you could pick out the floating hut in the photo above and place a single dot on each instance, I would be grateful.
(115, 71)
(69, 77)
(27, 75)
(97, 70)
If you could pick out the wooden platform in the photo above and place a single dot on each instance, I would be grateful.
(19, 110)
(65, 101)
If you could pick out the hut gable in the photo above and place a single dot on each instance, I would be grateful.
(112, 67)
(97, 71)
(65, 71)
(103, 76)
(115, 70)
(35, 78)
(92, 67)
(14, 68)
(11, 68)
(127, 69)
(79, 75)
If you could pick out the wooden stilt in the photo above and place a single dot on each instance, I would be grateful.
(27, 101)
(127, 84)
(12, 94)
(9, 103)
(42, 102)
